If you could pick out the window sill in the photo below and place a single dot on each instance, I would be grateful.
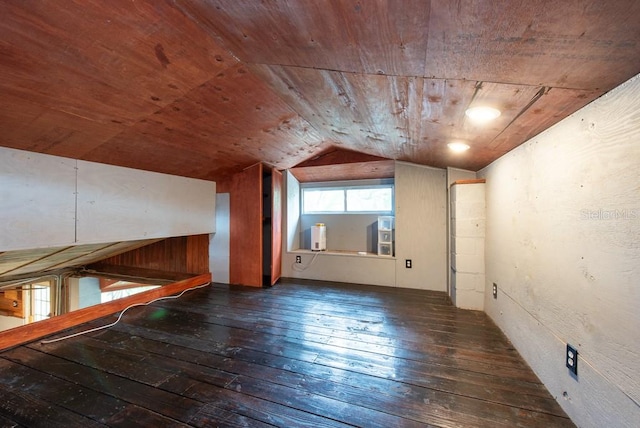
(343, 253)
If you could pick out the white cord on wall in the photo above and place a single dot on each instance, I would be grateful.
(301, 268)
(44, 342)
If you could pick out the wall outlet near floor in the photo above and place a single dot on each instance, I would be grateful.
(571, 358)
(298, 259)
(407, 263)
(495, 290)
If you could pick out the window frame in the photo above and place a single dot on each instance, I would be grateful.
(344, 186)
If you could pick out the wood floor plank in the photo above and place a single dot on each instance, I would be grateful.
(358, 321)
(131, 414)
(303, 353)
(25, 409)
(358, 390)
(68, 395)
(437, 376)
(158, 401)
(364, 341)
(8, 423)
(361, 377)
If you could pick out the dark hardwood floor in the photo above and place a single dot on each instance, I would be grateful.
(298, 354)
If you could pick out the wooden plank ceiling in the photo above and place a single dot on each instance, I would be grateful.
(205, 88)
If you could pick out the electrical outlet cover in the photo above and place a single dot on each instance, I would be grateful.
(571, 358)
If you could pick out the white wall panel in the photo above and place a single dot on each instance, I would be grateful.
(563, 245)
(467, 245)
(421, 226)
(116, 203)
(219, 242)
(345, 232)
(37, 200)
(453, 175)
(291, 214)
(353, 268)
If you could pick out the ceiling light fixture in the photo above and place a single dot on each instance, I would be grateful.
(482, 114)
(458, 147)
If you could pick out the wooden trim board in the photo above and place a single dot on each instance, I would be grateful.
(471, 181)
(29, 332)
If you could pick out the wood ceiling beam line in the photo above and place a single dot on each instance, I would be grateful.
(543, 90)
(481, 83)
(83, 255)
(36, 260)
(476, 91)
(19, 280)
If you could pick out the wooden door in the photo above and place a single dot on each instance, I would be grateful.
(276, 226)
(245, 227)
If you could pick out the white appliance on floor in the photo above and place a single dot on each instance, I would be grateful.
(318, 237)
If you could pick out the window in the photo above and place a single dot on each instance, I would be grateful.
(40, 301)
(327, 199)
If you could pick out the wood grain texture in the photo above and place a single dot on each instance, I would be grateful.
(204, 89)
(300, 354)
(376, 37)
(276, 225)
(11, 303)
(245, 228)
(39, 261)
(336, 156)
(185, 254)
(197, 259)
(15, 336)
(233, 118)
(470, 181)
(345, 171)
(550, 45)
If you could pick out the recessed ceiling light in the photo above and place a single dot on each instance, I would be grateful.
(482, 114)
(458, 147)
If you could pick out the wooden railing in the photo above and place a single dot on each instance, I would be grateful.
(37, 330)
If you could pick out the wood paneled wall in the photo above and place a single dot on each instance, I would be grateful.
(245, 247)
(184, 254)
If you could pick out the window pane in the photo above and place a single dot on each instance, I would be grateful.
(41, 302)
(323, 201)
(372, 199)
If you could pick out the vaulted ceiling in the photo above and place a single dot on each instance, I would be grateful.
(204, 88)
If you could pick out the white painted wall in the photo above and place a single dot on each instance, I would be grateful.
(350, 268)
(421, 198)
(123, 204)
(219, 242)
(346, 232)
(291, 214)
(49, 201)
(37, 200)
(420, 235)
(322, 265)
(453, 175)
(421, 226)
(83, 292)
(468, 225)
(7, 322)
(563, 245)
